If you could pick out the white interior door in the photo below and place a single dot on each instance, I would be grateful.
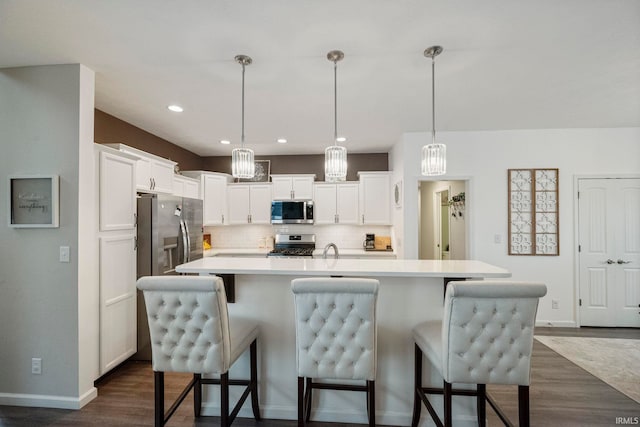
(609, 251)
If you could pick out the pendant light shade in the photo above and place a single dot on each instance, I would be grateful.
(434, 156)
(335, 156)
(242, 159)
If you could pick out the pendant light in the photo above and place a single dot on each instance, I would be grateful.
(434, 156)
(242, 159)
(335, 156)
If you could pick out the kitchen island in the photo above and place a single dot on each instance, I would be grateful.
(411, 291)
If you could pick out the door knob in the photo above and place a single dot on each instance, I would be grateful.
(623, 262)
(609, 261)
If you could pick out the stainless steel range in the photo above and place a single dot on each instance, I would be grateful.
(293, 245)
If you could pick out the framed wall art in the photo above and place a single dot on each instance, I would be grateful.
(533, 212)
(262, 172)
(33, 201)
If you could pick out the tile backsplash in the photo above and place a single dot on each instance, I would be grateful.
(255, 236)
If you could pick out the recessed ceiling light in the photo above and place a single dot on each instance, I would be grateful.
(225, 141)
(341, 139)
(175, 108)
(282, 141)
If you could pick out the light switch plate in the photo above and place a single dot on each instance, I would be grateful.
(64, 253)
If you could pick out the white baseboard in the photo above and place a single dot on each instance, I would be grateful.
(557, 323)
(48, 401)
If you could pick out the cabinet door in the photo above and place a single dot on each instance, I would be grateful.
(162, 176)
(281, 189)
(117, 197)
(324, 203)
(178, 186)
(238, 203)
(347, 203)
(118, 323)
(375, 199)
(260, 203)
(214, 196)
(302, 187)
(143, 175)
(191, 189)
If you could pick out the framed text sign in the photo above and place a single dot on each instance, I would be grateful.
(33, 201)
(533, 212)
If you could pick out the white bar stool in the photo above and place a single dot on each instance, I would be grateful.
(335, 337)
(191, 331)
(485, 337)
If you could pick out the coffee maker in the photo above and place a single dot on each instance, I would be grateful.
(369, 242)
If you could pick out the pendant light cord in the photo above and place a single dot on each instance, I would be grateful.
(335, 103)
(242, 137)
(433, 100)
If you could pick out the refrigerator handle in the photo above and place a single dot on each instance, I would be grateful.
(188, 234)
(185, 247)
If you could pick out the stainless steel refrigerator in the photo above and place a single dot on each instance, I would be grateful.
(169, 234)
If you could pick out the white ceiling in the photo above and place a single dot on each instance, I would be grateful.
(507, 64)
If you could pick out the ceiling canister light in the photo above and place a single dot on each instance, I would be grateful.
(242, 159)
(434, 156)
(335, 156)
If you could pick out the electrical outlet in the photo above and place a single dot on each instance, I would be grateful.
(554, 304)
(36, 366)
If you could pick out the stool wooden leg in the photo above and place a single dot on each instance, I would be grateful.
(300, 401)
(253, 353)
(371, 402)
(224, 399)
(197, 394)
(158, 382)
(447, 405)
(523, 405)
(308, 396)
(481, 404)
(417, 381)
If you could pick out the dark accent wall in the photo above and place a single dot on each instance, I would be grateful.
(110, 129)
(313, 163)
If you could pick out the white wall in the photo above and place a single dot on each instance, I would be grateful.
(483, 158)
(46, 127)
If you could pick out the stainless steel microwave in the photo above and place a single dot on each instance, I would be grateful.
(292, 212)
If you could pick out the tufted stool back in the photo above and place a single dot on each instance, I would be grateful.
(188, 323)
(336, 327)
(487, 331)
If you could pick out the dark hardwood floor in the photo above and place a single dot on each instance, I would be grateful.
(562, 394)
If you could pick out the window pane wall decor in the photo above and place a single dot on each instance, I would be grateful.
(533, 212)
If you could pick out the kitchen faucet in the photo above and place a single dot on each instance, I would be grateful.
(335, 250)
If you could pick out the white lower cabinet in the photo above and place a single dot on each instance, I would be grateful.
(249, 203)
(336, 203)
(118, 323)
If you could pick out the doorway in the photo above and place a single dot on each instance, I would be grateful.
(609, 251)
(442, 222)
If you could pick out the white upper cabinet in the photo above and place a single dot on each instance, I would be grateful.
(213, 192)
(375, 198)
(336, 203)
(153, 174)
(186, 187)
(290, 187)
(249, 203)
(117, 190)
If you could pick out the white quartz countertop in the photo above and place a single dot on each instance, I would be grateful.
(344, 267)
